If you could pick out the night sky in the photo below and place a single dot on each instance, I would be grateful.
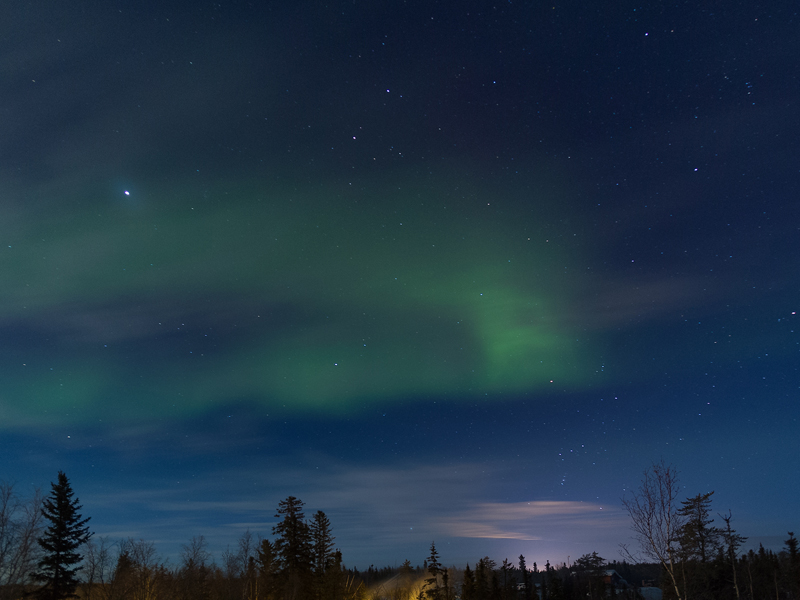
(450, 271)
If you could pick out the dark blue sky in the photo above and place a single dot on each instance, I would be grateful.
(446, 271)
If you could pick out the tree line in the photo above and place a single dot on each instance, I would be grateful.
(47, 552)
(698, 559)
(300, 564)
(40, 538)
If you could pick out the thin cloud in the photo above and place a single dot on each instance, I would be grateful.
(535, 520)
(624, 302)
(544, 508)
(483, 530)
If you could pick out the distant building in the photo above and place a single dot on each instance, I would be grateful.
(612, 579)
(650, 593)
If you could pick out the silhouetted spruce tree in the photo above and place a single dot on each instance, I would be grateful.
(468, 585)
(265, 587)
(335, 580)
(123, 579)
(762, 570)
(589, 571)
(546, 580)
(406, 569)
(699, 542)
(793, 570)
(321, 550)
(447, 589)
(432, 590)
(495, 591)
(321, 542)
(555, 587)
(508, 582)
(293, 548)
(66, 533)
(527, 580)
(483, 578)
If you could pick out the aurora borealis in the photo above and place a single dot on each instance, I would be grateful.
(445, 271)
(321, 307)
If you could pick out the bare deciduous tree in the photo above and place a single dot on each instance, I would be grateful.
(139, 573)
(195, 570)
(655, 521)
(234, 572)
(20, 527)
(97, 567)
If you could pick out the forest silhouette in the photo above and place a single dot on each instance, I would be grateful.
(683, 555)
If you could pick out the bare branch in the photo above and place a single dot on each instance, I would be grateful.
(654, 517)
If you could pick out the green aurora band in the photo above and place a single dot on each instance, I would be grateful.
(171, 302)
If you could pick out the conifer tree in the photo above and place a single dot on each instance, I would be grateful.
(699, 543)
(335, 581)
(507, 590)
(698, 539)
(495, 591)
(590, 569)
(546, 580)
(293, 549)
(526, 578)
(468, 585)
(321, 551)
(483, 578)
(793, 572)
(322, 541)
(432, 590)
(66, 533)
(406, 569)
(267, 567)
